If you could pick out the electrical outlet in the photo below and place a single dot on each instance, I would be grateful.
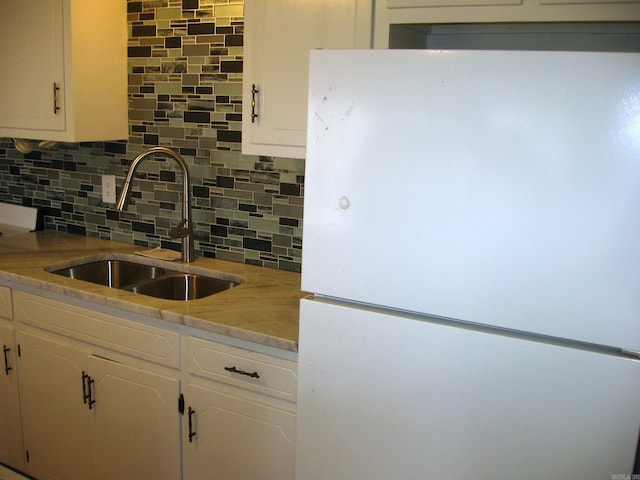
(109, 188)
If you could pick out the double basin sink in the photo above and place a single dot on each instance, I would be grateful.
(155, 281)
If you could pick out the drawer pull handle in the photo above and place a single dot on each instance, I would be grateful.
(242, 372)
(7, 368)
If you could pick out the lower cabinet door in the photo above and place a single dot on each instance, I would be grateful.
(231, 438)
(86, 417)
(137, 424)
(56, 421)
(11, 451)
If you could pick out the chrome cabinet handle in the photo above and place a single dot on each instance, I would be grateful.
(56, 88)
(254, 91)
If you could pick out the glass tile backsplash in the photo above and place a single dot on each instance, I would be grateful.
(185, 92)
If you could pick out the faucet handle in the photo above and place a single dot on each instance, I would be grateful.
(181, 230)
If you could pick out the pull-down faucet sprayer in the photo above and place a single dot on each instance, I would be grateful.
(185, 229)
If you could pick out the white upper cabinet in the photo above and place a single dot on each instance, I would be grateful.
(278, 37)
(406, 23)
(64, 70)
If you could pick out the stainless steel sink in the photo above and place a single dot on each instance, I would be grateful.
(183, 286)
(112, 273)
(149, 280)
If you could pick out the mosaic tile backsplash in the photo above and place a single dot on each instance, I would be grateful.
(185, 92)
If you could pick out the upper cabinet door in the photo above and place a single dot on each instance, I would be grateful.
(64, 70)
(31, 34)
(278, 37)
(406, 23)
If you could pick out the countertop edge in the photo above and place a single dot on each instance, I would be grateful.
(276, 293)
(153, 313)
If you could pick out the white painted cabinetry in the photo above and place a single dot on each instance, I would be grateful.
(56, 419)
(236, 422)
(10, 425)
(89, 412)
(136, 431)
(405, 23)
(278, 37)
(105, 397)
(64, 70)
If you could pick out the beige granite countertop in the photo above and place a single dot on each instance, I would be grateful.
(263, 309)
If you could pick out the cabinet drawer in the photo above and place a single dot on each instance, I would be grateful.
(126, 336)
(6, 310)
(243, 368)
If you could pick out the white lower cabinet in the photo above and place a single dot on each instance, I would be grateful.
(230, 437)
(89, 417)
(104, 397)
(236, 424)
(11, 451)
(55, 417)
(137, 432)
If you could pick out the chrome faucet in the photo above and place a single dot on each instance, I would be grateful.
(184, 230)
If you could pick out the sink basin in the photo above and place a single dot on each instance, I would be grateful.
(149, 280)
(112, 273)
(183, 286)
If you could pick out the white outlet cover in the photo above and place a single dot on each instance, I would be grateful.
(109, 188)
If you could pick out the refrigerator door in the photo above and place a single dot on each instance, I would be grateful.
(494, 187)
(383, 396)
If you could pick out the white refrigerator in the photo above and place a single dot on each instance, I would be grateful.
(472, 242)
